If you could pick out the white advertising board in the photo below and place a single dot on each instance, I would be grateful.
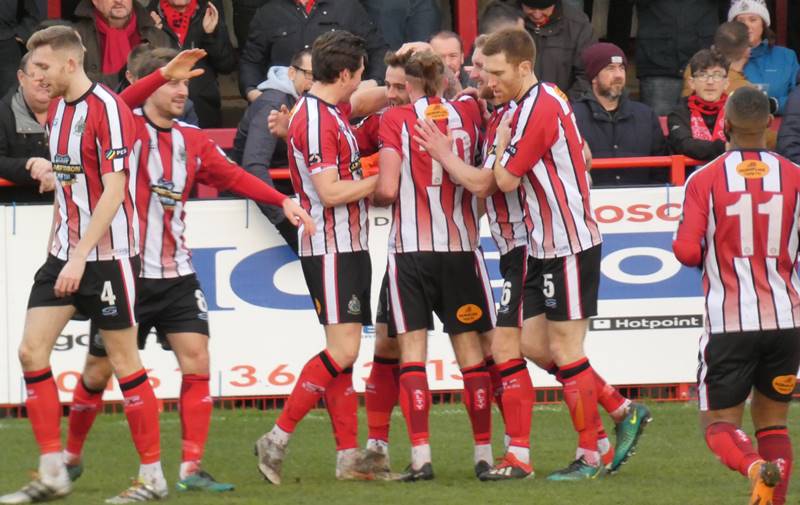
(264, 327)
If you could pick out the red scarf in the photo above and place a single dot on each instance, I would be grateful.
(116, 43)
(309, 5)
(178, 21)
(699, 108)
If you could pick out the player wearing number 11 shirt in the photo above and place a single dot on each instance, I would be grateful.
(740, 222)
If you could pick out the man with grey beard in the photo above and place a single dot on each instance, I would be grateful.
(613, 125)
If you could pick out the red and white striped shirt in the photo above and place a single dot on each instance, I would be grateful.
(89, 138)
(506, 211)
(432, 212)
(171, 160)
(546, 150)
(320, 139)
(745, 207)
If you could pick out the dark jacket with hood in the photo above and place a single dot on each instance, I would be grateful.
(559, 44)
(281, 28)
(204, 90)
(632, 130)
(21, 138)
(93, 59)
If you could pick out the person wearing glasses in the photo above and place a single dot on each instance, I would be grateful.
(256, 149)
(613, 125)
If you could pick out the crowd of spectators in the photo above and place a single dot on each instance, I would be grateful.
(690, 55)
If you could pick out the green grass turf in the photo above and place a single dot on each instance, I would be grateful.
(672, 466)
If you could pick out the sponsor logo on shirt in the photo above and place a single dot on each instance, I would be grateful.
(113, 154)
(165, 190)
(66, 172)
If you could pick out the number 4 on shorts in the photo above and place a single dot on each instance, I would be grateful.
(107, 295)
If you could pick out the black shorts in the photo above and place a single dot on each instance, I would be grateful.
(167, 305)
(513, 269)
(732, 364)
(564, 289)
(339, 285)
(106, 294)
(454, 285)
(382, 312)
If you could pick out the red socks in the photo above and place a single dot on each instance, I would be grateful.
(415, 401)
(518, 398)
(581, 399)
(85, 405)
(732, 446)
(195, 408)
(383, 386)
(342, 404)
(478, 401)
(141, 409)
(774, 444)
(44, 409)
(497, 383)
(607, 396)
(315, 377)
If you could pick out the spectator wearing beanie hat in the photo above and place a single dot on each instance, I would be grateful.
(613, 125)
(772, 68)
(560, 32)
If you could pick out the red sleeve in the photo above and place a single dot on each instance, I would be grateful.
(346, 109)
(687, 245)
(367, 134)
(470, 108)
(389, 130)
(115, 130)
(318, 141)
(135, 94)
(534, 130)
(219, 171)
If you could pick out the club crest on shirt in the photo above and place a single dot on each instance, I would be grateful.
(66, 171)
(165, 190)
(80, 127)
(314, 158)
(355, 167)
(354, 306)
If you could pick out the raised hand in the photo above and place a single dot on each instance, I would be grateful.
(430, 138)
(278, 122)
(182, 66)
(211, 19)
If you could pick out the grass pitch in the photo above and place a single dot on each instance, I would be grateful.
(672, 466)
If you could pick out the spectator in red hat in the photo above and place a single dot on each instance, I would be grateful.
(613, 125)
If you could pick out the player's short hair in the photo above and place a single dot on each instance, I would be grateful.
(480, 41)
(152, 60)
(334, 52)
(427, 69)
(136, 57)
(516, 44)
(498, 15)
(58, 37)
(297, 59)
(731, 39)
(747, 110)
(447, 34)
(396, 59)
(708, 58)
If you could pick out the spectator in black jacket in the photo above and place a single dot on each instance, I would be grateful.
(256, 149)
(401, 21)
(24, 154)
(243, 13)
(697, 126)
(789, 133)
(281, 28)
(670, 32)
(613, 125)
(18, 19)
(199, 24)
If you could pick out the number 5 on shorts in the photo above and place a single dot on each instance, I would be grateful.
(548, 288)
(107, 295)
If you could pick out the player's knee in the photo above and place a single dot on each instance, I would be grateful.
(96, 373)
(387, 348)
(195, 360)
(29, 357)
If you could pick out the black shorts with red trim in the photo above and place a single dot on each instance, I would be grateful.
(453, 285)
(339, 284)
(106, 293)
(732, 364)
(564, 289)
(175, 305)
(513, 268)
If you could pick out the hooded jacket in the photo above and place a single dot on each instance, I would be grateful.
(776, 67)
(21, 138)
(204, 90)
(254, 147)
(632, 130)
(93, 59)
(559, 44)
